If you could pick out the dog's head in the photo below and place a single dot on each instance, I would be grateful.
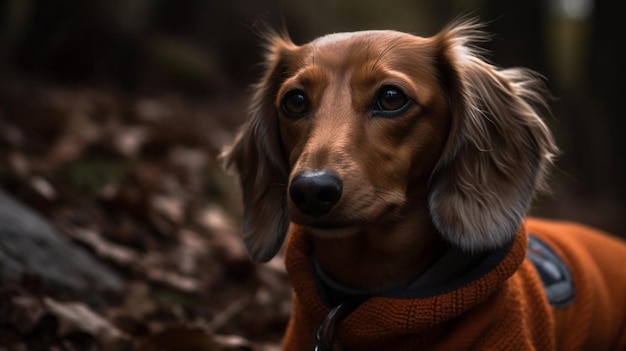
(352, 129)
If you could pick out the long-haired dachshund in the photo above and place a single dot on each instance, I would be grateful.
(402, 169)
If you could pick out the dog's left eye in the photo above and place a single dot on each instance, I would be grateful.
(391, 99)
(295, 103)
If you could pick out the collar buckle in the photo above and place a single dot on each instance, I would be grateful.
(325, 333)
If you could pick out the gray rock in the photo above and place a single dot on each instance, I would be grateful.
(30, 244)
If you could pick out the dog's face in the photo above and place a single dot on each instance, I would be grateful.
(362, 121)
(355, 130)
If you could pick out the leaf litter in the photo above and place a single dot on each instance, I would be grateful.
(135, 181)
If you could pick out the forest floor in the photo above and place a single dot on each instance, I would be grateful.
(136, 182)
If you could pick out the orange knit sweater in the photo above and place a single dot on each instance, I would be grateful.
(506, 308)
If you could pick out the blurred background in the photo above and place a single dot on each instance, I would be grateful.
(112, 114)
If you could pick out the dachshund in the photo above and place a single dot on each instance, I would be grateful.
(403, 168)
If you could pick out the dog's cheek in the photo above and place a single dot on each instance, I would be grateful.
(414, 156)
(430, 135)
(430, 143)
(386, 157)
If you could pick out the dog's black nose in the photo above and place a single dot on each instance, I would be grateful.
(315, 192)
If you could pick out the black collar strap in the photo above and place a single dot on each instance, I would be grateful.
(452, 265)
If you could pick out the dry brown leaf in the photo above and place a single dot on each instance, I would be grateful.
(169, 207)
(152, 110)
(179, 338)
(79, 130)
(121, 255)
(233, 342)
(78, 317)
(129, 140)
(149, 264)
(229, 312)
(25, 312)
(192, 160)
(224, 233)
(190, 164)
(173, 280)
(190, 251)
(137, 303)
(19, 163)
(43, 187)
(215, 220)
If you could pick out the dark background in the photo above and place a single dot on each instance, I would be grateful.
(107, 106)
(209, 50)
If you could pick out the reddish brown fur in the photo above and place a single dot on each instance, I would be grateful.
(458, 167)
(384, 163)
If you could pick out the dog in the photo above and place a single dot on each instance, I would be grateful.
(402, 168)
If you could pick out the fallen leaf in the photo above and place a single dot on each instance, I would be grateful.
(138, 304)
(229, 312)
(77, 317)
(224, 233)
(152, 110)
(233, 342)
(19, 163)
(25, 312)
(215, 220)
(174, 280)
(43, 187)
(190, 251)
(121, 255)
(129, 140)
(170, 207)
(179, 338)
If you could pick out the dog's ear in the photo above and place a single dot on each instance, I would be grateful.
(499, 148)
(258, 158)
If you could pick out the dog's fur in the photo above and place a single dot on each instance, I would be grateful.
(426, 144)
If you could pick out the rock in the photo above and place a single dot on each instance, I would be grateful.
(30, 244)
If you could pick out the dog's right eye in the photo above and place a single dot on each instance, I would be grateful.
(391, 101)
(295, 103)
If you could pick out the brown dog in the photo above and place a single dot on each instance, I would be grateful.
(406, 166)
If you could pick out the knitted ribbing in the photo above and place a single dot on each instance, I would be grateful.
(505, 309)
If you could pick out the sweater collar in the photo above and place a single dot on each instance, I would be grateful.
(449, 270)
(423, 306)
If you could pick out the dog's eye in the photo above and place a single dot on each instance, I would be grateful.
(391, 99)
(295, 103)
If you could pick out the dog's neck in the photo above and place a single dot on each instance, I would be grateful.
(381, 257)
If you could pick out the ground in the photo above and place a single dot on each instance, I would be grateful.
(135, 181)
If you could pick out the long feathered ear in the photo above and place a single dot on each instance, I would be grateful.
(499, 148)
(258, 158)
